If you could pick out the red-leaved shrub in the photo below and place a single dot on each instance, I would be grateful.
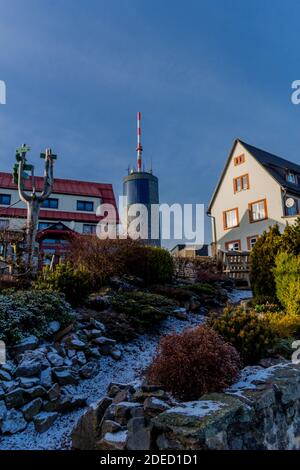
(194, 362)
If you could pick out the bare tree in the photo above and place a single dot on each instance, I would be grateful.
(32, 200)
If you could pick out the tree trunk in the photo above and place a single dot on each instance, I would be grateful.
(33, 208)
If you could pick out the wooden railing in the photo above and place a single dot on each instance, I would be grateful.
(236, 264)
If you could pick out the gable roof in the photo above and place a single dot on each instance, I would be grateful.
(274, 165)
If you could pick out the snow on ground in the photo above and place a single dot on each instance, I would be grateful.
(236, 296)
(135, 358)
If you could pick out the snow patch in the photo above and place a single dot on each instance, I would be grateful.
(198, 409)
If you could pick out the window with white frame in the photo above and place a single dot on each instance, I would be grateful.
(233, 246)
(231, 218)
(258, 210)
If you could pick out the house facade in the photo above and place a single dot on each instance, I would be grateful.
(256, 190)
(69, 211)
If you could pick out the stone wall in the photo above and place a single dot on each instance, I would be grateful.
(261, 411)
(188, 268)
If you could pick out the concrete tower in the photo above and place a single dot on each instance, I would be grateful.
(141, 187)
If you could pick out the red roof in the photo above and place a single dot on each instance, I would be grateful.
(63, 186)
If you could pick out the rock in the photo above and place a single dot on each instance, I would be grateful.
(71, 353)
(29, 368)
(139, 435)
(85, 433)
(44, 420)
(113, 441)
(53, 327)
(123, 410)
(55, 359)
(10, 368)
(71, 402)
(14, 422)
(28, 382)
(29, 343)
(81, 358)
(72, 342)
(141, 395)
(38, 355)
(15, 398)
(32, 408)
(110, 426)
(64, 376)
(95, 353)
(103, 341)
(123, 395)
(46, 378)
(2, 394)
(89, 370)
(93, 333)
(4, 375)
(3, 411)
(116, 354)
(97, 324)
(35, 392)
(154, 406)
(9, 386)
(115, 388)
(54, 392)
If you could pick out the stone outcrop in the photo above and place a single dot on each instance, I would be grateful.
(261, 411)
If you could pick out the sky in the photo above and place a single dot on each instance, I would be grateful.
(201, 72)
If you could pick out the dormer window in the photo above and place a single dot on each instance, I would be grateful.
(291, 177)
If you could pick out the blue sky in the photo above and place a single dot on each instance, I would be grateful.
(201, 72)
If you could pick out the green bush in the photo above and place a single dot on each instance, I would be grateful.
(263, 259)
(141, 308)
(25, 313)
(107, 258)
(249, 333)
(287, 280)
(75, 282)
(154, 265)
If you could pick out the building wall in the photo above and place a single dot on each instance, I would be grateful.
(262, 186)
(66, 203)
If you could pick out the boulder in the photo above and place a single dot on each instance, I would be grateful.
(34, 392)
(154, 406)
(9, 386)
(53, 327)
(54, 392)
(28, 382)
(71, 402)
(85, 433)
(93, 333)
(114, 388)
(139, 434)
(55, 359)
(4, 375)
(29, 343)
(46, 378)
(81, 359)
(123, 410)
(64, 376)
(116, 354)
(29, 368)
(110, 426)
(113, 441)
(14, 422)
(72, 342)
(32, 408)
(44, 420)
(15, 398)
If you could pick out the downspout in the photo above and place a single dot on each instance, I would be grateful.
(214, 233)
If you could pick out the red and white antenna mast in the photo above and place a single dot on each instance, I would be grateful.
(139, 147)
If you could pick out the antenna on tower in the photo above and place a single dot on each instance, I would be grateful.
(139, 148)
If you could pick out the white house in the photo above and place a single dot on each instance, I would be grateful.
(70, 210)
(256, 190)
